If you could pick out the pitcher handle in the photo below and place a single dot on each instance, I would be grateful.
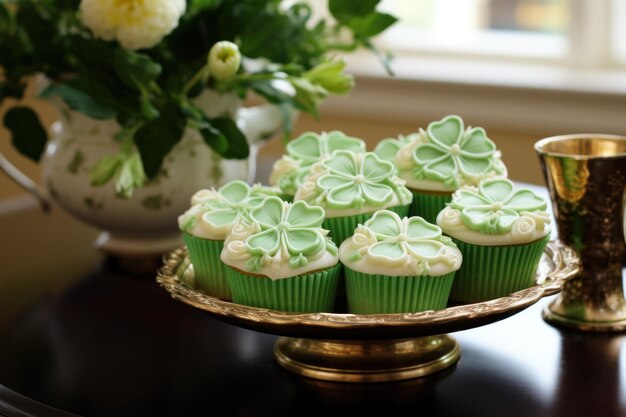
(25, 182)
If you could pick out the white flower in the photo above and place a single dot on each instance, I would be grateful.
(224, 60)
(134, 24)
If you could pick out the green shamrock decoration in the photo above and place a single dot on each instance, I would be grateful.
(495, 205)
(224, 207)
(354, 180)
(398, 238)
(294, 230)
(455, 154)
(310, 148)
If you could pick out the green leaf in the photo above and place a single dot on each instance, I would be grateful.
(5, 18)
(135, 69)
(330, 76)
(156, 138)
(213, 136)
(28, 135)
(271, 93)
(106, 168)
(90, 100)
(344, 10)
(237, 144)
(308, 95)
(372, 24)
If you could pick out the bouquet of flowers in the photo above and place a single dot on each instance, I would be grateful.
(142, 62)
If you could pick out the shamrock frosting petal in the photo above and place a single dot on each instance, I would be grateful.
(235, 191)
(418, 228)
(376, 194)
(385, 224)
(266, 242)
(387, 250)
(330, 181)
(425, 248)
(342, 163)
(477, 143)
(269, 213)
(301, 214)
(345, 196)
(441, 169)
(473, 166)
(304, 241)
(526, 200)
(496, 191)
(374, 169)
(446, 132)
(306, 147)
(219, 218)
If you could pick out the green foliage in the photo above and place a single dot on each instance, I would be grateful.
(150, 92)
(29, 136)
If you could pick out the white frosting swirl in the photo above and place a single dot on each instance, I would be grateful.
(202, 196)
(283, 166)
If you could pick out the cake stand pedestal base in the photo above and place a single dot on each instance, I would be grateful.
(367, 360)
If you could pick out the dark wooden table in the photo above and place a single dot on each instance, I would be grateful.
(112, 344)
(104, 342)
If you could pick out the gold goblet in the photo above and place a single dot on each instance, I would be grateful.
(586, 177)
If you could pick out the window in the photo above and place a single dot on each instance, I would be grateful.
(575, 33)
(523, 28)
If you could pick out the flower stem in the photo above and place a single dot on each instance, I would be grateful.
(200, 75)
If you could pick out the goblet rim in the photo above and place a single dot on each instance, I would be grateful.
(541, 146)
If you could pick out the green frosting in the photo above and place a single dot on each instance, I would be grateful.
(222, 208)
(310, 148)
(495, 205)
(357, 180)
(397, 238)
(456, 156)
(293, 229)
(388, 148)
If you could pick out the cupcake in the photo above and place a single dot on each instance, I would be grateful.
(282, 259)
(206, 224)
(387, 149)
(395, 265)
(502, 232)
(350, 187)
(450, 158)
(289, 172)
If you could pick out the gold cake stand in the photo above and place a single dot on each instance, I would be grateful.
(370, 347)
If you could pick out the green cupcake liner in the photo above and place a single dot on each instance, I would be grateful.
(428, 206)
(208, 268)
(308, 293)
(342, 228)
(489, 272)
(384, 294)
